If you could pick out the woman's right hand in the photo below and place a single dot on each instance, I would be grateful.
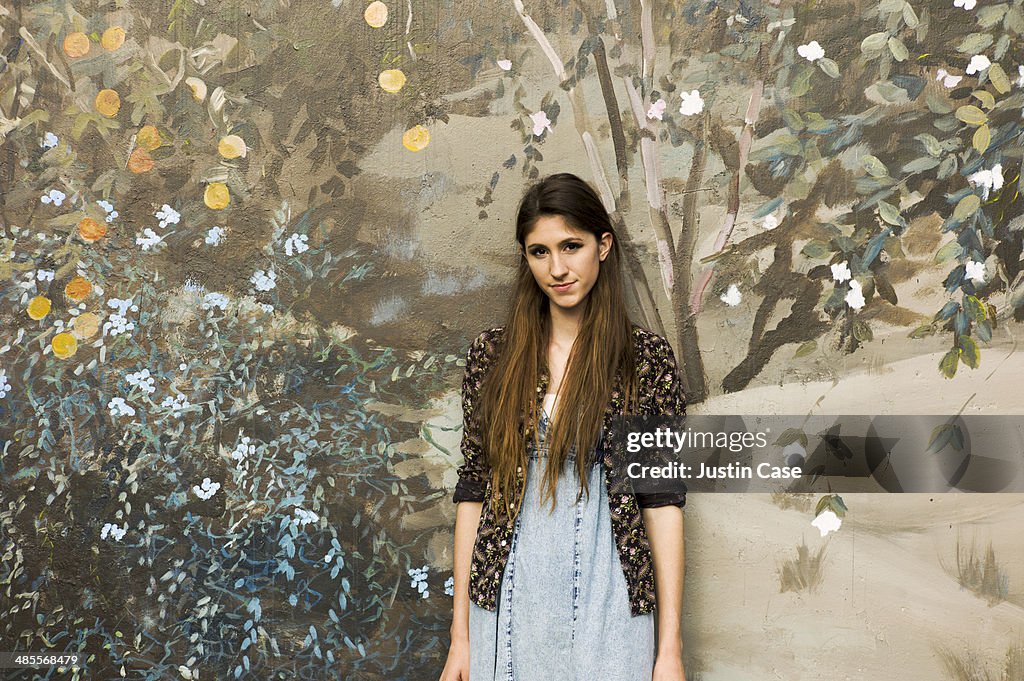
(456, 668)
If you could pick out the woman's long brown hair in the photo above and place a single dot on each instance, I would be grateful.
(604, 345)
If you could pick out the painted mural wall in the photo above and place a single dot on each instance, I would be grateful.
(245, 245)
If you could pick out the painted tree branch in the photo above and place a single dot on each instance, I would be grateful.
(746, 139)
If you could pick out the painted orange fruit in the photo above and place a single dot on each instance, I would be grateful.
(91, 230)
(391, 80)
(108, 103)
(85, 325)
(78, 289)
(416, 138)
(64, 345)
(216, 196)
(148, 138)
(140, 161)
(112, 38)
(76, 45)
(39, 307)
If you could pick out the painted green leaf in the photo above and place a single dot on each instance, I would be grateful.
(948, 252)
(974, 307)
(910, 16)
(966, 207)
(970, 353)
(889, 213)
(874, 43)
(829, 66)
(922, 331)
(971, 115)
(919, 165)
(791, 435)
(874, 167)
(1015, 20)
(792, 119)
(931, 145)
(862, 332)
(981, 139)
(985, 97)
(975, 43)
(948, 364)
(942, 435)
(898, 49)
(937, 105)
(984, 331)
(990, 15)
(998, 78)
(806, 348)
(815, 249)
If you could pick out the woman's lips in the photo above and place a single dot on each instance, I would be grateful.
(562, 288)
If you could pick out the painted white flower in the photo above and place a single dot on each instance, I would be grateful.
(206, 488)
(49, 141)
(243, 449)
(142, 380)
(449, 586)
(855, 296)
(966, 4)
(988, 180)
(841, 272)
(540, 123)
(304, 517)
(54, 196)
(5, 387)
(118, 323)
(505, 64)
(732, 296)
(419, 580)
(827, 521)
(212, 300)
(167, 216)
(812, 51)
(948, 81)
(979, 62)
(192, 286)
(975, 271)
(296, 243)
(214, 235)
(267, 307)
(692, 103)
(264, 281)
(1020, 76)
(177, 404)
(148, 239)
(108, 208)
(44, 275)
(770, 222)
(118, 407)
(657, 109)
(113, 531)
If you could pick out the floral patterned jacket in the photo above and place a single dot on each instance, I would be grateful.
(659, 392)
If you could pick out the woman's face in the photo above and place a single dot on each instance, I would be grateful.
(565, 261)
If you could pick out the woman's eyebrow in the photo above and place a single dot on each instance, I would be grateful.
(563, 242)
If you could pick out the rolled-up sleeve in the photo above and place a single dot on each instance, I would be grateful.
(668, 399)
(474, 471)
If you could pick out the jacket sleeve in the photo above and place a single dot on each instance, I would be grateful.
(474, 471)
(668, 399)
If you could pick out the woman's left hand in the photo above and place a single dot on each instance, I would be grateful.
(668, 668)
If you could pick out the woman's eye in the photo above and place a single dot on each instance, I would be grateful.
(573, 246)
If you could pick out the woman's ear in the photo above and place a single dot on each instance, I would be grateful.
(605, 245)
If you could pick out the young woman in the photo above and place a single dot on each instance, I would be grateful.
(558, 564)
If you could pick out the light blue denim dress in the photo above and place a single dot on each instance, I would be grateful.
(563, 609)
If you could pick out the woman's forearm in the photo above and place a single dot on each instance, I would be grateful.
(467, 521)
(665, 533)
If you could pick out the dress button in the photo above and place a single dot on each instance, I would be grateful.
(519, 469)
